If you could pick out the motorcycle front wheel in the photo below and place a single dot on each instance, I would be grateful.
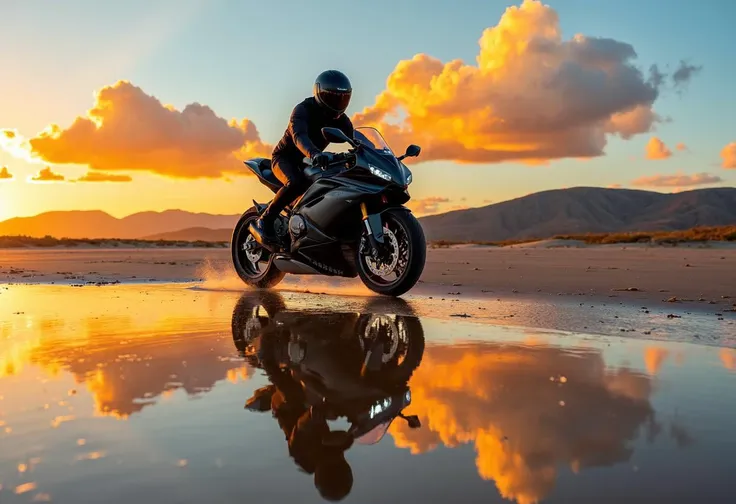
(249, 259)
(405, 256)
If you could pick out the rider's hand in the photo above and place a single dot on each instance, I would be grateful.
(322, 159)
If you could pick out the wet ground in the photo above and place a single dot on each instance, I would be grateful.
(138, 393)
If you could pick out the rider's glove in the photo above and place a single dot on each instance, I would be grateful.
(322, 159)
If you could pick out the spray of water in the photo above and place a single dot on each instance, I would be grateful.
(220, 276)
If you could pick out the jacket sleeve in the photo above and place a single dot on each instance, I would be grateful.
(347, 126)
(300, 132)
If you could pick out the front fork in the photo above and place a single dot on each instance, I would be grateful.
(374, 227)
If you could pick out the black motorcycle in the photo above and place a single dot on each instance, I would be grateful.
(331, 365)
(350, 222)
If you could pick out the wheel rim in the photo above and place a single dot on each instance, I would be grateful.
(391, 270)
(390, 328)
(252, 258)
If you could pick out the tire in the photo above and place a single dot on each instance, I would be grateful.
(266, 279)
(393, 374)
(244, 322)
(417, 255)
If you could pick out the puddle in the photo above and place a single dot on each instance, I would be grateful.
(151, 394)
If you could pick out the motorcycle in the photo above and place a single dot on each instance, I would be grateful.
(334, 365)
(350, 222)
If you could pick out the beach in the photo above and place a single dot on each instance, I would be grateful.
(634, 274)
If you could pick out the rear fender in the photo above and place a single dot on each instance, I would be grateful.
(260, 207)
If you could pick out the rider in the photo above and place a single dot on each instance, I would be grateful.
(303, 138)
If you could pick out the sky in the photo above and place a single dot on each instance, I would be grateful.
(153, 105)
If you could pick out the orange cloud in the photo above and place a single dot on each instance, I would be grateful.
(681, 146)
(728, 154)
(530, 96)
(46, 175)
(679, 180)
(656, 149)
(5, 174)
(614, 186)
(103, 177)
(522, 407)
(127, 129)
(428, 205)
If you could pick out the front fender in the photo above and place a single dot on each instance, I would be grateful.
(374, 222)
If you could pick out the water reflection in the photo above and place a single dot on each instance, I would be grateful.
(127, 353)
(324, 367)
(530, 410)
(499, 414)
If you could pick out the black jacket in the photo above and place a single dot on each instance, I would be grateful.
(303, 137)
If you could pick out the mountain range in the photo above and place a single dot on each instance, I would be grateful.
(540, 215)
(585, 210)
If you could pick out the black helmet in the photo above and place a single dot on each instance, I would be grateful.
(332, 90)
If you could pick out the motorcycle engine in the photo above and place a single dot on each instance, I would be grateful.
(280, 227)
(297, 226)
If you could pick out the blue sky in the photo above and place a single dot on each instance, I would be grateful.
(257, 59)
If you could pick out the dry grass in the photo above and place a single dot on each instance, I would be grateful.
(697, 234)
(50, 241)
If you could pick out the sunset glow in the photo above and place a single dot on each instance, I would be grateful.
(523, 96)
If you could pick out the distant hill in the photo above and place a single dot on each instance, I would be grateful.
(194, 234)
(541, 215)
(585, 210)
(98, 224)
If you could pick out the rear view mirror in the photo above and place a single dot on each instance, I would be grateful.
(411, 151)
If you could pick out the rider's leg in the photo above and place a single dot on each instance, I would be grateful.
(295, 183)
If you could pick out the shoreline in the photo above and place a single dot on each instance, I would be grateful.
(532, 315)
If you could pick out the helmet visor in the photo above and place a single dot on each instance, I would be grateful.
(336, 100)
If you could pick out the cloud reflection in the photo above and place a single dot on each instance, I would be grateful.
(528, 410)
(124, 373)
(127, 351)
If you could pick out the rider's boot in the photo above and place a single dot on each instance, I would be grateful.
(262, 229)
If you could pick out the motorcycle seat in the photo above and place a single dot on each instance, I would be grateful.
(265, 166)
(262, 168)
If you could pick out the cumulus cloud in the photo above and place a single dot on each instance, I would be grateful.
(46, 175)
(5, 174)
(530, 96)
(127, 129)
(681, 146)
(677, 181)
(684, 73)
(428, 205)
(656, 149)
(728, 155)
(103, 177)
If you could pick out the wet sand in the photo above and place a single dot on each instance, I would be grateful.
(136, 393)
(695, 278)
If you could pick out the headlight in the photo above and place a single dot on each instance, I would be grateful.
(379, 407)
(379, 173)
(408, 179)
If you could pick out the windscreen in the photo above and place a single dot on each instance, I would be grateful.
(372, 138)
(374, 435)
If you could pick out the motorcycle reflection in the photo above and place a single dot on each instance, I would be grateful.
(327, 366)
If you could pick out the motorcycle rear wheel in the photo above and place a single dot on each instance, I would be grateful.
(248, 270)
(402, 230)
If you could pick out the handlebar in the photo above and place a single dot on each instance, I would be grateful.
(340, 157)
